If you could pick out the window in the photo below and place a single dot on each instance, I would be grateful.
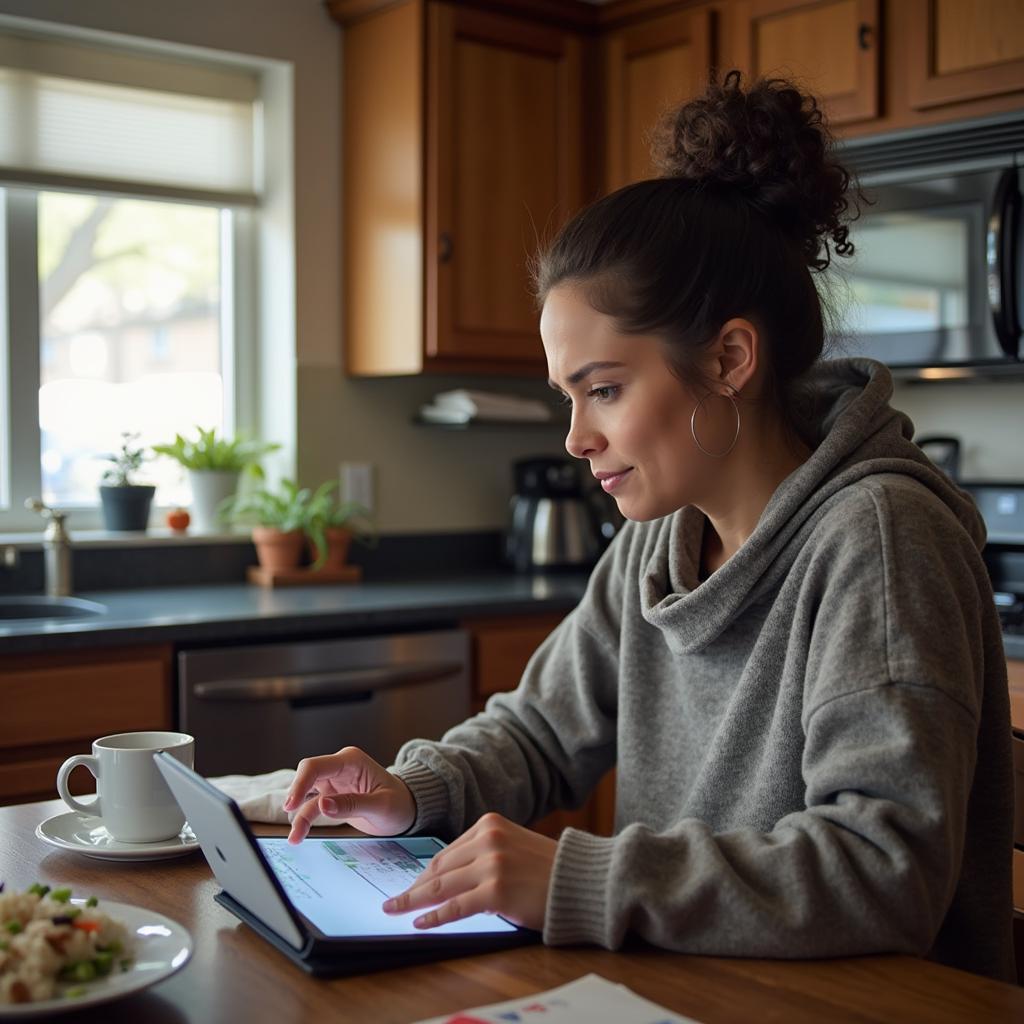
(128, 217)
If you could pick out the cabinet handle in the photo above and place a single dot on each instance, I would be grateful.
(444, 248)
(864, 36)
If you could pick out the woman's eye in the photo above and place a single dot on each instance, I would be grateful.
(605, 393)
(564, 399)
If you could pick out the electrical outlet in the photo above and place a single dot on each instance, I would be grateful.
(357, 483)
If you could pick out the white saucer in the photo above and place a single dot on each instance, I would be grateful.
(83, 833)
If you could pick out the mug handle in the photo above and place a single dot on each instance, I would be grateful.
(92, 763)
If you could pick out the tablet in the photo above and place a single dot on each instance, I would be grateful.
(320, 902)
(338, 885)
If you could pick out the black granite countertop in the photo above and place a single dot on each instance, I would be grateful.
(242, 613)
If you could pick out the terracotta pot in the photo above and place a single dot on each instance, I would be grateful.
(338, 540)
(276, 549)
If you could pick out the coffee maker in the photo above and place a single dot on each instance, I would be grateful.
(554, 525)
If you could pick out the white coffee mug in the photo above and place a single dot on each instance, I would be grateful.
(132, 800)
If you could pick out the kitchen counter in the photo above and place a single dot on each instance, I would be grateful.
(242, 612)
(234, 975)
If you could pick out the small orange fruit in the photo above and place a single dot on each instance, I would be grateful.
(178, 519)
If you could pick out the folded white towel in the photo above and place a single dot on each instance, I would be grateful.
(439, 414)
(260, 797)
(489, 405)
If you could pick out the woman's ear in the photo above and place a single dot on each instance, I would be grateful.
(737, 351)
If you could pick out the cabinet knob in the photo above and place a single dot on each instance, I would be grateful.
(864, 33)
(444, 247)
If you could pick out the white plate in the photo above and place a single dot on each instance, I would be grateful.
(161, 947)
(83, 833)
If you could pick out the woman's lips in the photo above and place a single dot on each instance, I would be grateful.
(610, 483)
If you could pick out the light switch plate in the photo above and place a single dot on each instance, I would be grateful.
(357, 483)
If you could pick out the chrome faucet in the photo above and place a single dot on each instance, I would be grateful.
(56, 549)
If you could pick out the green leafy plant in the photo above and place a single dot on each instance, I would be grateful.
(293, 508)
(210, 452)
(126, 462)
(286, 509)
(326, 511)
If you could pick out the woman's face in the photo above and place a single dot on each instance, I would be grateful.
(630, 413)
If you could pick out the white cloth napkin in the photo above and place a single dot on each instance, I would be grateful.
(260, 796)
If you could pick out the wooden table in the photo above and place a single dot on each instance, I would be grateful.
(236, 976)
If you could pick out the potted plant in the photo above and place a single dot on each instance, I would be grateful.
(125, 503)
(278, 519)
(332, 524)
(214, 465)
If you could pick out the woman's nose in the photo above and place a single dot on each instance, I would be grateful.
(581, 442)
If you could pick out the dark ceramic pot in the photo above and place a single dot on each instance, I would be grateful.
(126, 508)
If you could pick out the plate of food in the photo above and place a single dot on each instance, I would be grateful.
(60, 953)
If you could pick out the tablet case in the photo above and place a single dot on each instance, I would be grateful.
(327, 960)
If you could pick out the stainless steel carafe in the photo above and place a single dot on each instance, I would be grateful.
(554, 525)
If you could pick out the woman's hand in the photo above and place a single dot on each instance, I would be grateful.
(495, 867)
(352, 787)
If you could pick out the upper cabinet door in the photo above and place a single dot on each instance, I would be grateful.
(650, 67)
(831, 46)
(964, 50)
(504, 163)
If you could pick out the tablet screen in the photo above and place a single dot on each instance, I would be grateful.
(340, 884)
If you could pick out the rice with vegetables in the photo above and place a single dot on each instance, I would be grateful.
(46, 940)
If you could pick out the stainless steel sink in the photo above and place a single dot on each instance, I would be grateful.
(22, 608)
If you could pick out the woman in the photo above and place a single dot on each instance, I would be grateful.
(790, 652)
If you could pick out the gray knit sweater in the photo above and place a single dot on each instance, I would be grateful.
(812, 746)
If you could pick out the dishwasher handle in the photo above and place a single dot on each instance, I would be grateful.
(320, 686)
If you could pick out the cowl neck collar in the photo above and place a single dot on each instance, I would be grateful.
(854, 434)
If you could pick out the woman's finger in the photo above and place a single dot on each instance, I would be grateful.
(428, 892)
(456, 855)
(480, 838)
(303, 820)
(476, 901)
(307, 774)
(312, 772)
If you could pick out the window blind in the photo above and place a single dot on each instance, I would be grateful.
(82, 117)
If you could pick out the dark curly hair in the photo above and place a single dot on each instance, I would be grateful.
(751, 201)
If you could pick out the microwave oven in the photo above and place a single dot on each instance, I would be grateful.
(935, 288)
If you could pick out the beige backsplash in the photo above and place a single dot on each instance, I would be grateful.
(427, 479)
(430, 479)
(988, 419)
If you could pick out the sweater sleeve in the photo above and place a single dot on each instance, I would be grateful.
(541, 747)
(870, 864)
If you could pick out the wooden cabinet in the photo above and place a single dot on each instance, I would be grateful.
(474, 129)
(831, 46)
(55, 705)
(501, 649)
(964, 50)
(463, 143)
(650, 67)
(1015, 672)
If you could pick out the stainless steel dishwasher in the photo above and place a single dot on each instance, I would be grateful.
(254, 709)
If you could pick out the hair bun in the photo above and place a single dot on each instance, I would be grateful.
(770, 143)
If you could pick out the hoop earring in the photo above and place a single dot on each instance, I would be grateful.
(731, 395)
